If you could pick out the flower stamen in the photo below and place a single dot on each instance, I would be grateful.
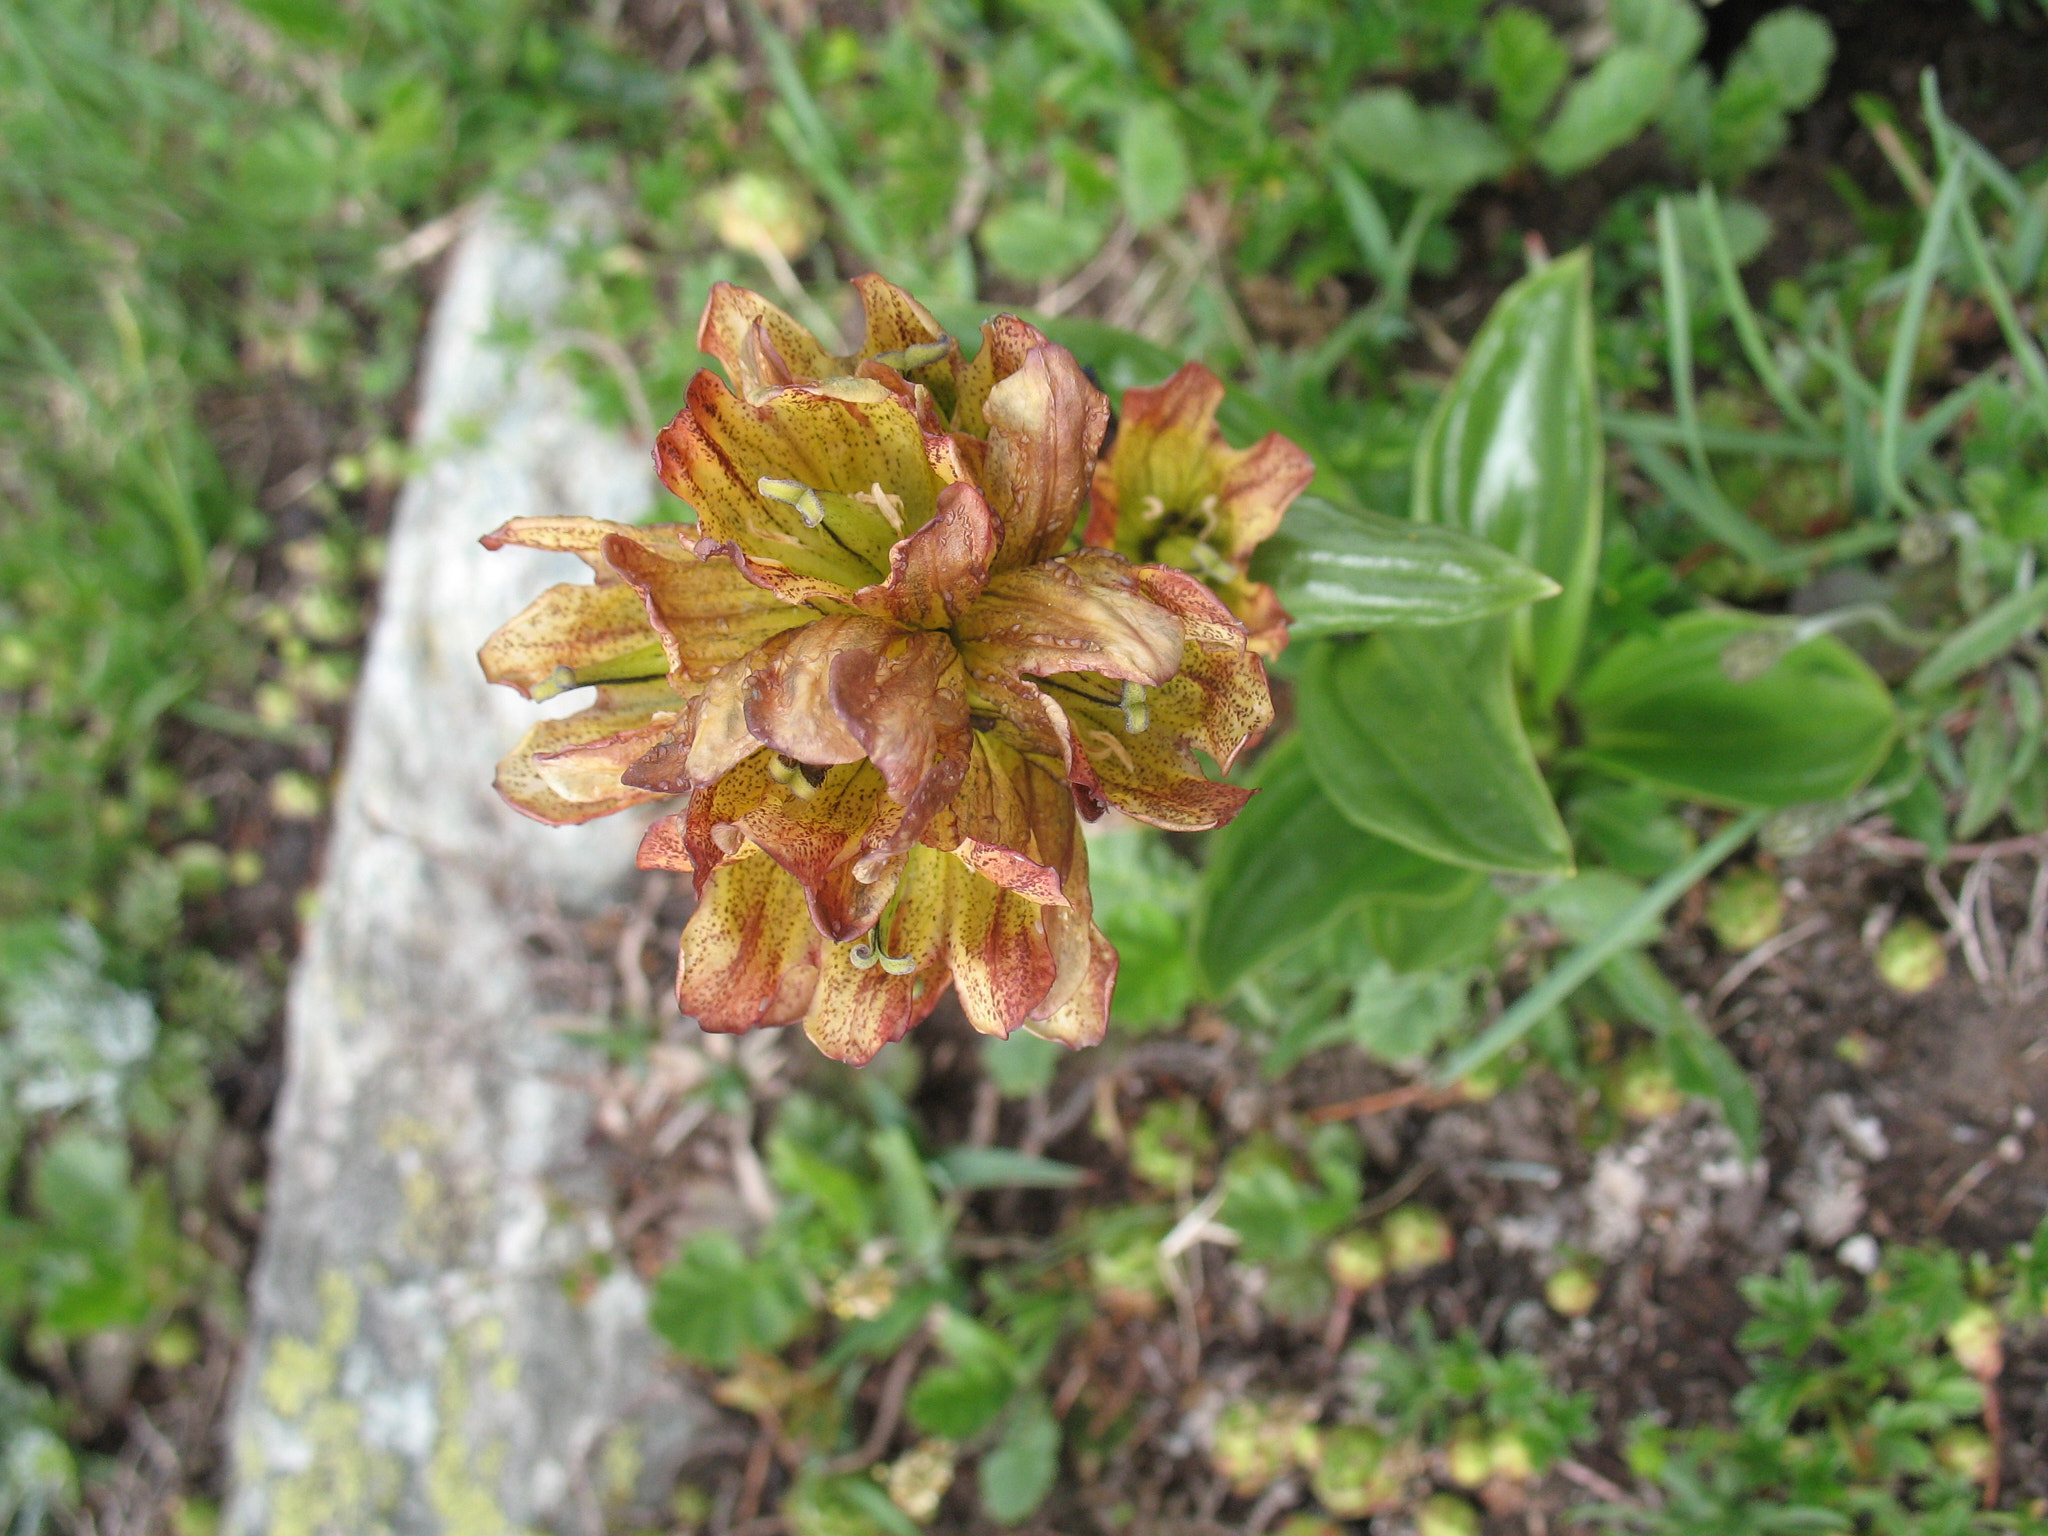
(1137, 714)
(809, 505)
(921, 355)
(887, 503)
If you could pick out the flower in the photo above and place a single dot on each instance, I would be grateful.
(1172, 490)
(887, 688)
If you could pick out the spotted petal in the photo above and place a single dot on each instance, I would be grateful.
(1170, 469)
(1045, 424)
(570, 770)
(706, 613)
(1082, 612)
(749, 953)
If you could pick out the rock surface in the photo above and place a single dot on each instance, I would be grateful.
(416, 1363)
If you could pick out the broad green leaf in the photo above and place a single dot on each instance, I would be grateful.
(1151, 163)
(714, 1302)
(1018, 1472)
(1513, 455)
(1792, 49)
(1521, 58)
(1414, 735)
(1428, 149)
(963, 1396)
(1143, 895)
(1413, 938)
(1613, 103)
(1671, 29)
(1339, 572)
(1665, 708)
(1630, 827)
(1022, 1065)
(1031, 241)
(907, 1193)
(1290, 865)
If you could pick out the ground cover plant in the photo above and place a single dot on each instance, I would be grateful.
(1258, 1262)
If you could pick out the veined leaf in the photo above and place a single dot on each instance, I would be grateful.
(1513, 455)
(1339, 572)
(1668, 708)
(1290, 865)
(1415, 735)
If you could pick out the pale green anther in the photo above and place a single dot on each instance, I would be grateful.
(922, 355)
(561, 680)
(1137, 715)
(1210, 564)
(794, 493)
(864, 955)
(898, 965)
(791, 777)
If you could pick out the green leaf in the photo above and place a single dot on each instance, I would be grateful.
(1700, 1064)
(1143, 895)
(1030, 241)
(1613, 103)
(714, 1302)
(964, 1396)
(1513, 455)
(1022, 1065)
(1004, 1168)
(1340, 572)
(1521, 58)
(1152, 164)
(1792, 50)
(1414, 735)
(1983, 640)
(1671, 29)
(1290, 865)
(1018, 1472)
(1427, 149)
(1413, 938)
(1664, 708)
(907, 1194)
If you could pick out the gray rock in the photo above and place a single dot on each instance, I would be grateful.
(416, 1363)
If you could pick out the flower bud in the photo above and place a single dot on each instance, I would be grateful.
(1357, 1261)
(1417, 1238)
(1974, 1339)
(1966, 1451)
(1355, 1475)
(1745, 908)
(1468, 1459)
(1910, 958)
(1445, 1514)
(918, 1479)
(1572, 1291)
(1511, 1459)
(1646, 1091)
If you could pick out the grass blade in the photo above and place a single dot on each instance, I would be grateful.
(1705, 505)
(1678, 337)
(1898, 374)
(1578, 967)
(1744, 318)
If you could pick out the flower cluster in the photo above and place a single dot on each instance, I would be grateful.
(887, 686)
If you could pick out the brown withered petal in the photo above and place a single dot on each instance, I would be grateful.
(1083, 1018)
(578, 625)
(1084, 612)
(937, 572)
(996, 949)
(1015, 822)
(625, 710)
(1005, 342)
(661, 846)
(582, 537)
(757, 344)
(1170, 460)
(749, 952)
(830, 838)
(706, 613)
(1045, 424)
(1257, 607)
